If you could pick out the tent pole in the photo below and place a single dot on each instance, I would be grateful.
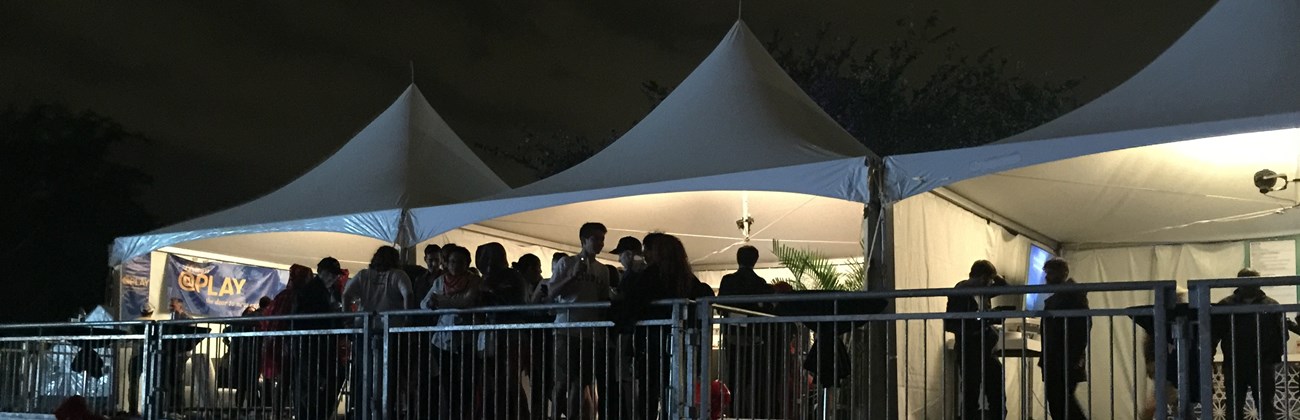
(878, 243)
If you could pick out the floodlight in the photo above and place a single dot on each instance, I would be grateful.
(1266, 181)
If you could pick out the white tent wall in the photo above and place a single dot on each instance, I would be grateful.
(1115, 367)
(935, 242)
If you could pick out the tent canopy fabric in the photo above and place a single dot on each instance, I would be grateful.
(1237, 70)
(362, 189)
(1166, 157)
(736, 123)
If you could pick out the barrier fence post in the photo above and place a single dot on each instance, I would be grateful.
(1161, 357)
(1201, 300)
(704, 382)
(150, 361)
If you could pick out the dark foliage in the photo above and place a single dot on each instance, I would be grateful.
(905, 98)
(66, 201)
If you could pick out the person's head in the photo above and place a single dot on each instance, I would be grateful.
(592, 235)
(625, 244)
(983, 271)
(529, 266)
(631, 260)
(433, 257)
(1056, 271)
(176, 306)
(490, 256)
(648, 244)
(556, 257)
(74, 407)
(298, 276)
(1247, 272)
(263, 302)
(782, 287)
(457, 259)
(385, 258)
(329, 270)
(747, 256)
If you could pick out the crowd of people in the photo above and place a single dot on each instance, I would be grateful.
(573, 369)
(580, 369)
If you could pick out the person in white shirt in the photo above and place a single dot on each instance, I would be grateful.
(580, 352)
(381, 287)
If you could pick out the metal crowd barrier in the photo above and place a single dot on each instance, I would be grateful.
(827, 357)
(42, 364)
(789, 356)
(516, 362)
(1242, 348)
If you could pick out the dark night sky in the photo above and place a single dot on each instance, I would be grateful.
(241, 97)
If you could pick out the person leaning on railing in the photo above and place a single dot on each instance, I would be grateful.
(980, 371)
(1253, 344)
(667, 275)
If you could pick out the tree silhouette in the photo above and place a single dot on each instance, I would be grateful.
(66, 203)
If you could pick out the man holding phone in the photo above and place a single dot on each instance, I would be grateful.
(580, 352)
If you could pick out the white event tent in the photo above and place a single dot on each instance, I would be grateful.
(1151, 181)
(736, 138)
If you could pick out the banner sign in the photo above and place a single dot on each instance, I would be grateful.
(220, 289)
(135, 287)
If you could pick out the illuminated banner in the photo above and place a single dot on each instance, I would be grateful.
(220, 289)
(135, 287)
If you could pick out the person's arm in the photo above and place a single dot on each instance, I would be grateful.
(430, 300)
(561, 273)
(404, 287)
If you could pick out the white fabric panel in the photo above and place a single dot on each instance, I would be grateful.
(1192, 191)
(360, 189)
(842, 179)
(1115, 352)
(935, 244)
(1235, 71)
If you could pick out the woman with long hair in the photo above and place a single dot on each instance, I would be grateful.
(667, 275)
(502, 391)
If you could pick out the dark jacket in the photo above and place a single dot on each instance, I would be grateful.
(965, 329)
(1263, 337)
(645, 287)
(744, 282)
(1065, 339)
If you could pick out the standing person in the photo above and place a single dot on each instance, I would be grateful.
(457, 288)
(667, 275)
(316, 367)
(747, 359)
(277, 353)
(416, 351)
(322, 295)
(502, 391)
(541, 375)
(1065, 345)
(980, 370)
(381, 287)
(433, 265)
(1253, 344)
(530, 268)
(581, 351)
(630, 256)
